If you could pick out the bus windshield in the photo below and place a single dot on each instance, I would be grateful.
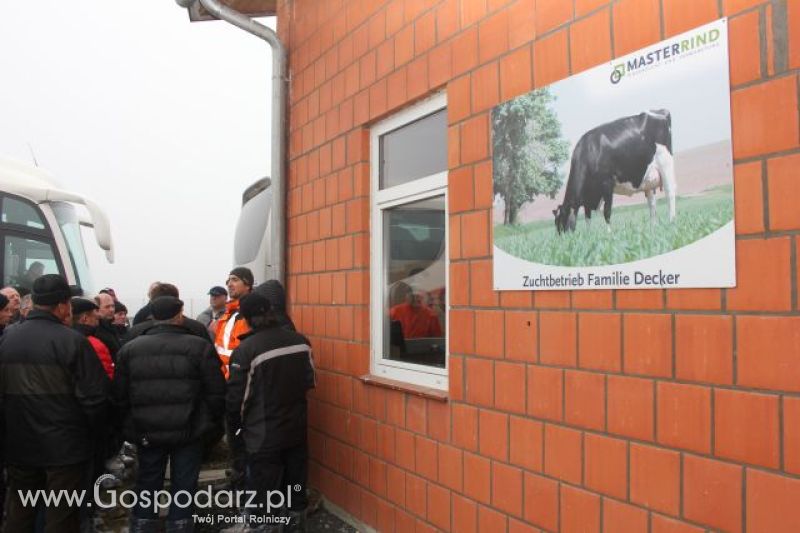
(68, 222)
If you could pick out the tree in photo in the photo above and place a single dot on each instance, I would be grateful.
(528, 151)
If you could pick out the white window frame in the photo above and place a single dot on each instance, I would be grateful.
(419, 189)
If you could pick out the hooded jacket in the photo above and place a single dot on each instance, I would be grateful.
(230, 327)
(168, 387)
(271, 370)
(53, 393)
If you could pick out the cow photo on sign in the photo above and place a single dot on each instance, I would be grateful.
(620, 176)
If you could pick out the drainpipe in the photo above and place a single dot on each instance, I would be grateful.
(276, 268)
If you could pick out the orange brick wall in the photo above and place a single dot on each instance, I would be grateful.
(615, 411)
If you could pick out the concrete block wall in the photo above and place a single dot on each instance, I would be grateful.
(616, 411)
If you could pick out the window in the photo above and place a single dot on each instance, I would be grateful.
(21, 213)
(409, 245)
(26, 259)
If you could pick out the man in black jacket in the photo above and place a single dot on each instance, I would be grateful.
(170, 392)
(106, 331)
(53, 394)
(159, 290)
(271, 370)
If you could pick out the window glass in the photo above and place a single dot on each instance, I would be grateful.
(251, 227)
(414, 293)
(21, 213)
(24, 260)
(414, 151)
(68, 222)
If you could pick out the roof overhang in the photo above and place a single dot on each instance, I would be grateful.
(252, 8)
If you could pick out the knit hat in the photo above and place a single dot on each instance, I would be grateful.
(50, 289)
(244, 274)
(165, 307)
(273, 291)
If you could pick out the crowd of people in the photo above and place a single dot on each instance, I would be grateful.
(81, 390)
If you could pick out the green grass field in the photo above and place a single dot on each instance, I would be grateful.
(632, 236)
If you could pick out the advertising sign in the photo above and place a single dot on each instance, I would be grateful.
(620, 177)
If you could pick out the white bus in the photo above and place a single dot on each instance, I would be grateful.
(251, 244)
(40, 228)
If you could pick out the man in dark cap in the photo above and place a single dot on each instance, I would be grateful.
(230, 325)
(53, 395)
(170, 393)
(190, 325)
(271, 371)
(273, 291)
(217, 297)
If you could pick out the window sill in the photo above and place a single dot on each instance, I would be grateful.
(417, 390)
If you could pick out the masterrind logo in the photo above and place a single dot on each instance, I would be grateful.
(652, 59)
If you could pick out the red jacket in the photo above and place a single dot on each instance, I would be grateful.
(103, 354)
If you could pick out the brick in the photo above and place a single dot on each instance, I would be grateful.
(594, 299)
(761, 123)
(744, 48)
(580, 511)
(404, 46)
(465, 51)
(456, 378)
(563, 450)
(462, 331)
(684, 15)
(746, 427)
(791, 434)
(730, 7)
(451, 472)
(630, 407)
(476, 226)
(472, 11)
(439, 507)
(606, 465)
(425, 33)
(599, 341)
(477, 477)
(558, 338)
(704, 348)
(684, 416)
(655, 478)
(768, 352)
(416, 495)
(622, 518)
(465, 426)
(447, 19)
(784, 193)
(418, 78)
(545, 392)
(493, 37)
(772, 503)
(648, 345)
(521, 335)
(590, 41)
(484, 186)
(493, 438)
(416, 414)
(585, 399)
(459, 283)
(636, 25)
(555, 49)
(794, 34)
(482, 293)
(541, 501)
(459, 95)
(515, 526)
(551, 14)
(480, 381)
(662, 524)
(526, 443)
(485, 87)
(489, 520)
(438, 420)
(712, 493)
(464, 515)
(749, 198)
(515, 73)
(640, 299)
(763, 276)
(507, 488)
(521, 22)
(552, 299)
(509, 389)
(397, 88)
(440, 65)
(475, 139)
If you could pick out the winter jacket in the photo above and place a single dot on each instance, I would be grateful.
(107, 333)
(194, 327)
(271, 370)
(99, 348)
(168, 387)
(53, 393)
(230, 328)
(209, 318)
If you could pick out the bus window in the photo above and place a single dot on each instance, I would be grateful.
(68, 222)
(21, 213)
(24, 260)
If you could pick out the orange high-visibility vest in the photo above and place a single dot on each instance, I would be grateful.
(230, 326)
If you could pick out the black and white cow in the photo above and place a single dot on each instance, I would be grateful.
(626, 156)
